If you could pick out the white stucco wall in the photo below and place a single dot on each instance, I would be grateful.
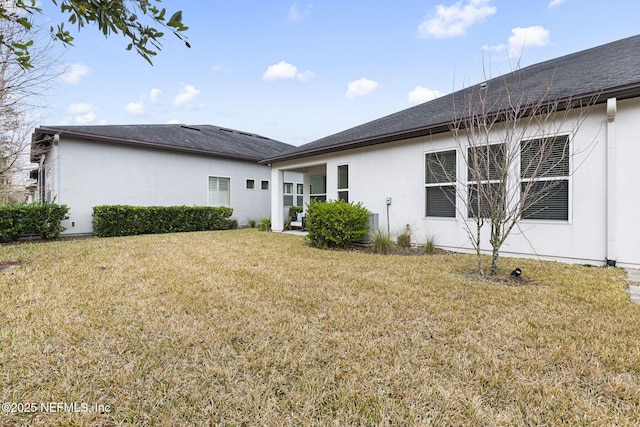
(397, 170)
(83, 174)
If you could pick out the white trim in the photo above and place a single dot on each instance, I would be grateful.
(208, 190)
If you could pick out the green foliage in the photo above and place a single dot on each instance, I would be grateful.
(336, 223)
(252, 223)
(120, 220)
(294, 211)
(111, 17)
(40, 219)
(382, 243)
(265, 225)
(404, 238)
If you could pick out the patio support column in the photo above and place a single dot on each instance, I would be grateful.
(306, 197)
(611, 182)
(277, 202)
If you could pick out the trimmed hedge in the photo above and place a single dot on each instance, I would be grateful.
(336, 223)
(42, 219)
(121, 220)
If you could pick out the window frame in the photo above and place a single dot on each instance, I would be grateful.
(299, 194)
(286, 194)
(263, 186)
(566, 177)
(492, 177)
(250, 181)
(441, 184)
(342, 190)
(318, 196)
(218, 177)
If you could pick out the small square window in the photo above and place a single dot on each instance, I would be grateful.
(264, 185)
(251, 184)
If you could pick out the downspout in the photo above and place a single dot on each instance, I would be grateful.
(56, 170)
(612, 108)
(40, 189)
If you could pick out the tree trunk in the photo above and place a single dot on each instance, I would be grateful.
(495, 254)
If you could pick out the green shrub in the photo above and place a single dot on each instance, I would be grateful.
(382, 243)
(265, 225)
(41, 219)
(336, 223)
(121, 220)
(294, 211)
(252, 223)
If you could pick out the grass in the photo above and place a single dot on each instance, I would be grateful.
(247, 328)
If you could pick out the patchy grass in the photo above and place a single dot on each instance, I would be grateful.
(241, 327)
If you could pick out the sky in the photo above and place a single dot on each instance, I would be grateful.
(297, 71)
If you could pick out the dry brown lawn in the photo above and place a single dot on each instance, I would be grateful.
(247, 328)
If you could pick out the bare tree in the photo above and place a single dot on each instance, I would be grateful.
(20, 90)
(515, 144)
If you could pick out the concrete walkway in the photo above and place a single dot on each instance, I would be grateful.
(633, 279)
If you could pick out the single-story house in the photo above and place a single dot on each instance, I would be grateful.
(154, 165)
(592, 215)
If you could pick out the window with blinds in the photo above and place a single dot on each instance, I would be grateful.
(544, 178)
(219, 191)
(440, 184)
(486, 179)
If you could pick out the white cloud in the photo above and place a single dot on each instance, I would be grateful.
(154, 94)
(135, 108)
(74, 72)
(496, 48)
(186, 94)
(452, 21)
(281, 70)
(82, 112)
(79, 108)
(520, 39)
(305, 76)
(85, 119)
(422, 94)
(554, 3)
(284, 70)
(173, 122)
(527, 37)
(360, 87)
(297, 14)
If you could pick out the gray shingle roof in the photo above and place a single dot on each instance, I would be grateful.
(605, 71)
(202, 139)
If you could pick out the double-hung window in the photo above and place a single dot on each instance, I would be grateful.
(343, 183)
(299, 194)
(318, 188)
(288, 193)
(219, 191)
(440, 184)
(486, 180)
(544, 178)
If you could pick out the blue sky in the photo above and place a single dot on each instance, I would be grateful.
(297, 71)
